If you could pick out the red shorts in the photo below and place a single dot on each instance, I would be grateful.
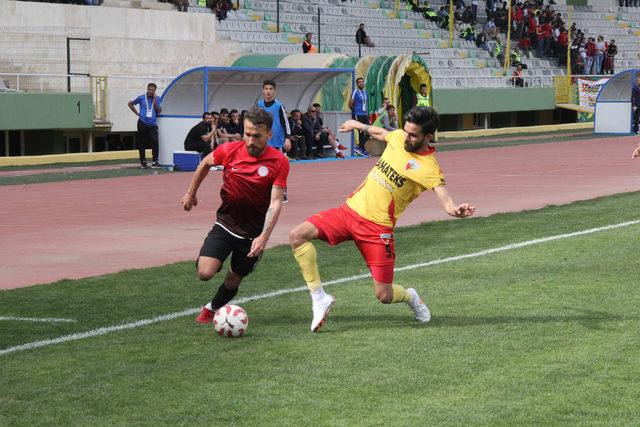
(374, 241)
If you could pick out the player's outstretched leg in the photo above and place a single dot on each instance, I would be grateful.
(307, 258)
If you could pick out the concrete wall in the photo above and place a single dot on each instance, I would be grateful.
(46, 111)
(124, 42)
(460, 101)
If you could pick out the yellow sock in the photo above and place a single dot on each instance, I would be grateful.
(307, 258)
(399, 294)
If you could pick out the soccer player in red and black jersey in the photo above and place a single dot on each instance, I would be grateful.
(253, 183)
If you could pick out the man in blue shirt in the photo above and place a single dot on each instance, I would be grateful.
(280, 131)
(359, 112)
(280, 128)
(147, 135)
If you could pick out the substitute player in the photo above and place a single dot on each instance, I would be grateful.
(253, 182)
(407, 167)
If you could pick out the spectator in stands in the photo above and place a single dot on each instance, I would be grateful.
(467, 33)
(474, 10)
(331, 136)
(388, 120)
(539, 41)
(359, 112)
(307, 46)
(563, 45)
(525, 46)
(443, 14)
(298, 146)
(362, 38)
(491, 29)
(548, 37)
(182, 5)
(221, 10)
(147, 135)
(518, 77)
(635, 102)
(201, 137)
(590, 49)
(481, 40)
(599, 56)
(422, 98)
(467, 16)
(497, 50)
(490, 8)
(612, 51)
(516, 59)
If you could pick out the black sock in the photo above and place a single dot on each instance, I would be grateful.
(222, 297)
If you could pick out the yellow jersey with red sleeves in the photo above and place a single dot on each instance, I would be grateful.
(397, 179)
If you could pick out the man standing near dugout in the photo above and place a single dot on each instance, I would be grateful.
(407, 167)
(253, 183)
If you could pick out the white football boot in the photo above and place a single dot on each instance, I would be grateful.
(320, 311)
(418, 307)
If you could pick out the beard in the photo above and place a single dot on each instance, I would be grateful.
(413, 148)
(255, 150)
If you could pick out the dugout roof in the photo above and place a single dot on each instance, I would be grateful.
(212, 88)
(613, 110)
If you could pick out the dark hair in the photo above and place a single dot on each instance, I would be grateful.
(316, 105)
(205, 114)
(259, 118)
(233, 111)
(293, 112)
(426, 117)
(389, 107)
(268, 82)
(153, 85)
(308, 34)
(215, 113)
(423, 85)
(224, 111)
(359, 78)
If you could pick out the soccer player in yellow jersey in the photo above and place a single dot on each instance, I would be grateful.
(407, 167)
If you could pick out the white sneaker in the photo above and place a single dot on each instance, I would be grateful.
(320, 310)
(418, 306)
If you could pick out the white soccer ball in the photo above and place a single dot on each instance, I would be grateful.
(230, 321)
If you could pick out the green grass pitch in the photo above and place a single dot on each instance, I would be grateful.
(543, 334)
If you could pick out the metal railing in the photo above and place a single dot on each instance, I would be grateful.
(25, 82)
(488, 82)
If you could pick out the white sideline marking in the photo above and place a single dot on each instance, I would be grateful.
(192, 311)
(38, 319)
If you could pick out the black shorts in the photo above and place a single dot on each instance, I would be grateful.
(220, 243)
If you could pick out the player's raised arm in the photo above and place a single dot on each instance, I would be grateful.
(461, 211)
(374, 131)
(189, 199)
(271, 218)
